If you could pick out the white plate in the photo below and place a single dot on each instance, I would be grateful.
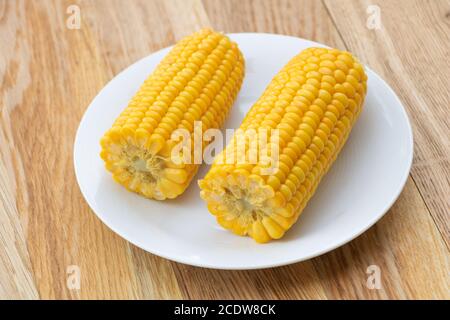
(361, 186)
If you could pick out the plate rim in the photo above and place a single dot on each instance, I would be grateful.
(404, 177)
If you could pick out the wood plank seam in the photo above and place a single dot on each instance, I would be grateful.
(429, 211)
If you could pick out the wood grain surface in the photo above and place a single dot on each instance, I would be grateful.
(49, 73)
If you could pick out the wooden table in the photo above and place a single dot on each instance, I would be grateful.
(50, 70)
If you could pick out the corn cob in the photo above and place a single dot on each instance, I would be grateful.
(313, 102)
(198, 80)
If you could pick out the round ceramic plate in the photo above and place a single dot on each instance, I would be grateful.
(361, 186)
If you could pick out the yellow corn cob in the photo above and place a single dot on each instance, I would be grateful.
(313, 102)
(197, 81)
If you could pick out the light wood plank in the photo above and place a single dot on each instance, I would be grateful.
(16, 277)
(411, 51)
(60, 228)
(186, 16)
(301, 18)
(297, 281)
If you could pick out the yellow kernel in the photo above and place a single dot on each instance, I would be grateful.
(339, 76)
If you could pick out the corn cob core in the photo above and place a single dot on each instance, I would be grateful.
(313, 102)
(198, 80)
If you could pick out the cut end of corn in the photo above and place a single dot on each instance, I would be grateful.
(139, 169)
(313, 102)
(197, 81)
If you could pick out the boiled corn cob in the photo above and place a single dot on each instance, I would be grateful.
(313, 102)
(198, 80)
